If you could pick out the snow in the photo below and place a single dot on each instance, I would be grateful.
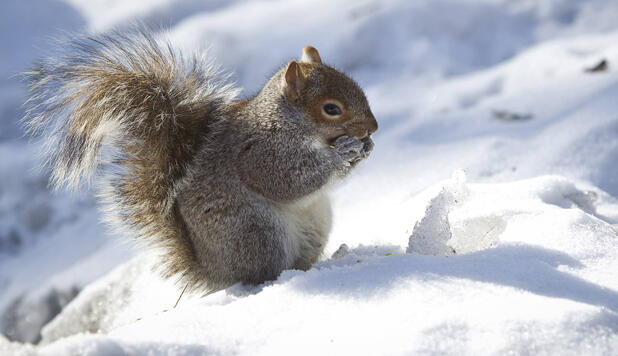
(518, 292)
(483, 223)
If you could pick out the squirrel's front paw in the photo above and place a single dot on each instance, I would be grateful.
(352, 150)
(348, 148)
(367, 146)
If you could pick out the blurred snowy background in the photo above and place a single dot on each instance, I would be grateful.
(522, 96)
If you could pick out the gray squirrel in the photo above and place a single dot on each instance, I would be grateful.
(231, 190)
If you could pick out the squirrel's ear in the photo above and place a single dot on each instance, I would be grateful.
(311, 55)
(293, 81)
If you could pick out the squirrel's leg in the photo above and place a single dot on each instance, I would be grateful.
(237, 241)
(261, 251)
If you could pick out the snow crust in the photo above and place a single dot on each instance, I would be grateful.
(483, 223)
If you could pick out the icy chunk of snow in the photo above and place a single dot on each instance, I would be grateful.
(431, 235)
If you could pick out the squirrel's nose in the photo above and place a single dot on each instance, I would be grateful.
(373, 126)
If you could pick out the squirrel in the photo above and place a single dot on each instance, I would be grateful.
(231, 190)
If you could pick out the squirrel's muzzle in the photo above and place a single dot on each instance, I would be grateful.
(361, 128)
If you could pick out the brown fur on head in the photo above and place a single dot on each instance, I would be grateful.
(332, 100)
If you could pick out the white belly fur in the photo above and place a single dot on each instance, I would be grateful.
(308, 223)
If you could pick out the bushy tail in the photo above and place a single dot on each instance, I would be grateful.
(142, 100)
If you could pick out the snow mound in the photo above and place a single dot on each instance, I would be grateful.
(464, 218)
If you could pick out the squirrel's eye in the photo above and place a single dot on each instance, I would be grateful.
(332, 109)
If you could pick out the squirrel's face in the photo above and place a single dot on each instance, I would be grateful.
(330, 99)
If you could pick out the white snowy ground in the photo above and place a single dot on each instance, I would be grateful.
(527, 205)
